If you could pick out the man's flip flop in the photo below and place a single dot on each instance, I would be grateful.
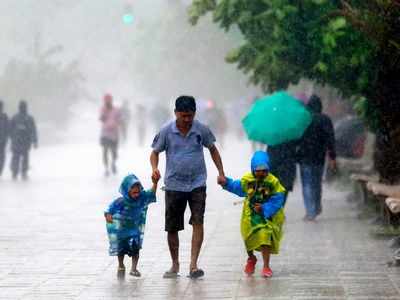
(171, 274)
(197, 273)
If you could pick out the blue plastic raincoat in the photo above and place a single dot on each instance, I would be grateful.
(126, 231)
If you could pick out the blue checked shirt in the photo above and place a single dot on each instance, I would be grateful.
(185, 168)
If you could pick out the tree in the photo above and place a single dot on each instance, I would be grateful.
(351, 45)
(50, 86)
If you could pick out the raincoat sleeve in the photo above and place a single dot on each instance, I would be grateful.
(274, 204)
(276, 200)
(150, 196)
(113, 207)
(234, 186)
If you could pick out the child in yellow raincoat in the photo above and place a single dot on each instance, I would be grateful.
(262, 214)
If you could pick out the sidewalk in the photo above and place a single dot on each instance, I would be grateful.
(53, 245)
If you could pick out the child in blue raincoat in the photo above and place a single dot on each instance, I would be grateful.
(126, 219)
(262, 214)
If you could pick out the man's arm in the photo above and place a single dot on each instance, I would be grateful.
(154, 157)
(331, 144)
(216, 157)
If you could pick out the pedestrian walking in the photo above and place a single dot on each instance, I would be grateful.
(126, 220)
(4, 133)
(125, 120)
(317, 142)
(23, 135)
(160, 115)
(283, 160)
(111, 121)
(141, 123)
(183, 141)
(262, 213)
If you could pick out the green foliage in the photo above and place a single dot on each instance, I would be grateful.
(367, 111)
(328, 41)
(289, 40)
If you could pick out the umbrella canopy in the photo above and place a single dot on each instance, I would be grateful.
(276, 119)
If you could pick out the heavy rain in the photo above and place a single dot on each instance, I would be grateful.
(199, 149)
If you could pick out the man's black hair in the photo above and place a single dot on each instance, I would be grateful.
(185, 104)
(315, 104)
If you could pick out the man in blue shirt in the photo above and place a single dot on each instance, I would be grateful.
(185, 178)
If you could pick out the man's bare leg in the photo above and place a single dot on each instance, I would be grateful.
(197, 241)
(173, 245)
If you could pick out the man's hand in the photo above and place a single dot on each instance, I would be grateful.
(221, 180)
(155, 179)
(155, 176)
(332, 165)
(109, 218)
(258, 208)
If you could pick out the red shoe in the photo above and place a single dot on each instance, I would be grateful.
(266, 272)
(250, 265)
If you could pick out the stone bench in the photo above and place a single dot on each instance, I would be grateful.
(391, 193)
(361, 180)
(385, 196)
(393, 204)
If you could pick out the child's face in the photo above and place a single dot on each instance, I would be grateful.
(261, 174)
(134, 192)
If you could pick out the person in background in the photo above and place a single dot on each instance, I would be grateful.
(23, 135)
(318, 141)
(283, 160)
(125, 119)
(110, 119)
(4, 133)
(141, 124)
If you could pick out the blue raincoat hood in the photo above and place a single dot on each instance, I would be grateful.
(259, 161)
(126, 185)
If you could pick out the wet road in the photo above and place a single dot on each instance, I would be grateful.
(53, 243)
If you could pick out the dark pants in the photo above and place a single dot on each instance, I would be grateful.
(20, 161)
(112, 147)
(311, 179)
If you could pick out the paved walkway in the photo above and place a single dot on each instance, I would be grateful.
(53, 243)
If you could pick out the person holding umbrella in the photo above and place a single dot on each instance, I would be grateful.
(317, 141)
(283, 160)
(279, 120)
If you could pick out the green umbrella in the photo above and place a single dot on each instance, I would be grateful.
(276, 119)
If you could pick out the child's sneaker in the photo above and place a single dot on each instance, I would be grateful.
(266, 272)
(250, 265)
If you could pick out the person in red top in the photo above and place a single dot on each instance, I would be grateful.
(110, 119)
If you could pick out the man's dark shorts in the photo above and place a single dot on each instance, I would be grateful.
(175, 206)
